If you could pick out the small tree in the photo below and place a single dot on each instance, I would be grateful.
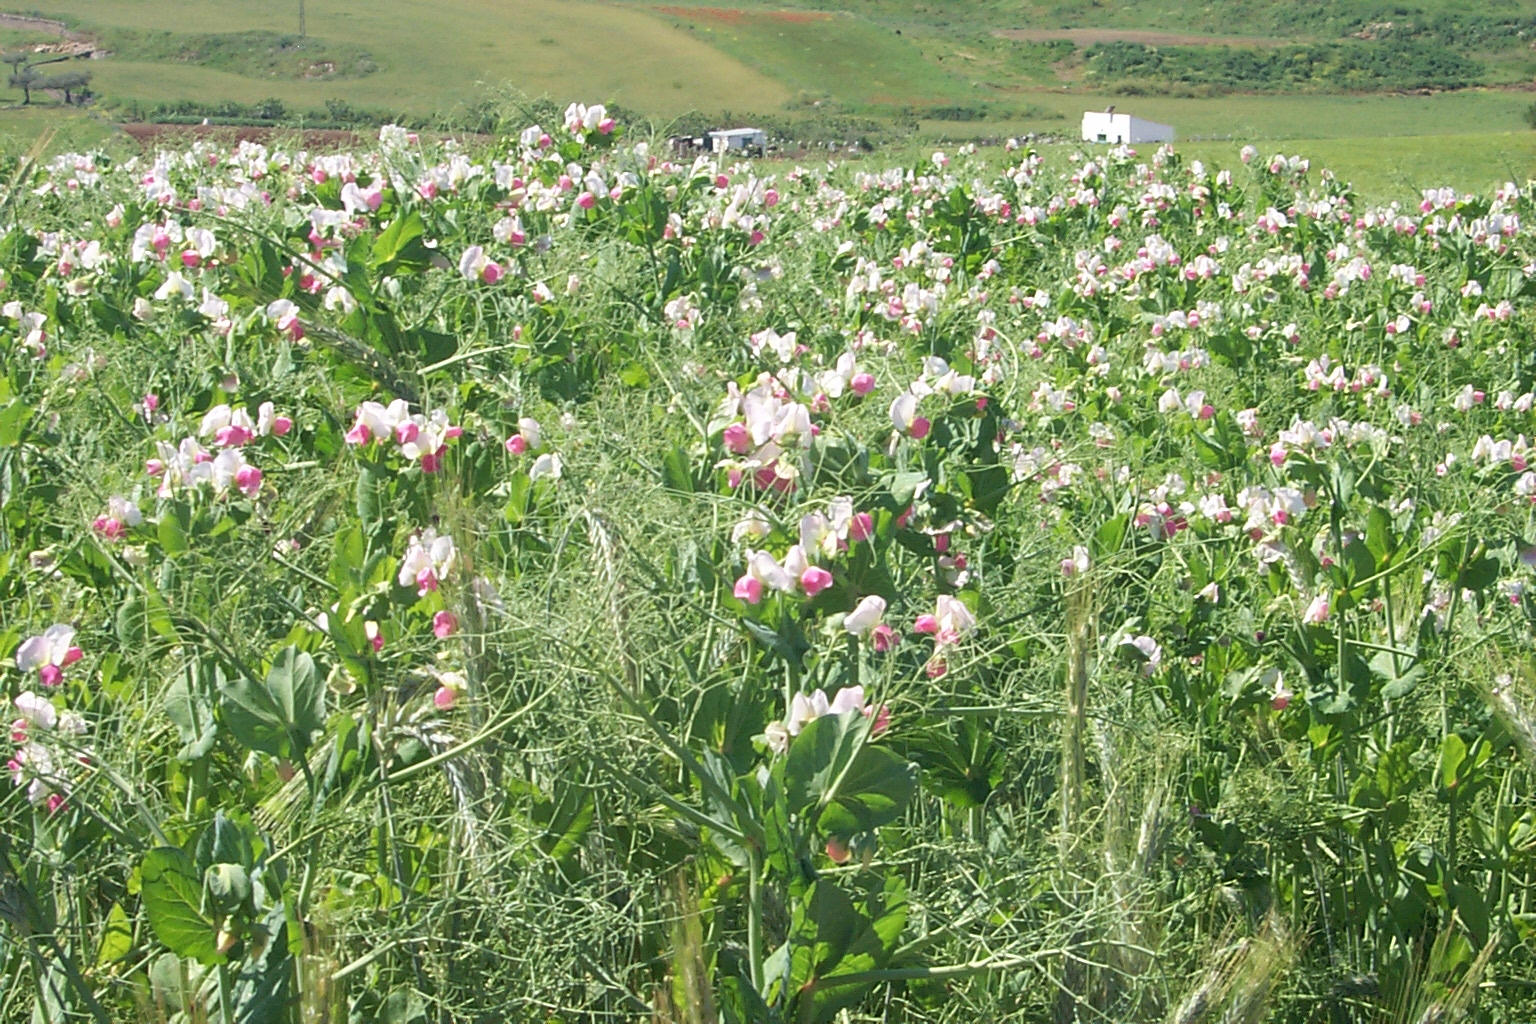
(25, 79)
(68, 83)
(1530, 115)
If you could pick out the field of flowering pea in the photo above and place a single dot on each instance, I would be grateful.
(559, 582)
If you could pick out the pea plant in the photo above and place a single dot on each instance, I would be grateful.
(553, 579)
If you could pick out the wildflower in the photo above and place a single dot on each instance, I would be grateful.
(814, 580)
(49, 653)
(1317, 612)
(865, 616)
(1145, 650)
(545, 466)
(1078, 563)
(427, 561)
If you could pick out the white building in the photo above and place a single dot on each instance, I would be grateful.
(737, 140)
(1108, 126)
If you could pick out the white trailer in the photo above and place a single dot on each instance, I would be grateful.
(1108, 126)
(737, 140)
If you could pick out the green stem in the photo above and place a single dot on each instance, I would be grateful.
(226, 1009)
(755, 917)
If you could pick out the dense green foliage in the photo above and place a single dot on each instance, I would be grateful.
(1319, 67)
(255, 54)
(556, 581)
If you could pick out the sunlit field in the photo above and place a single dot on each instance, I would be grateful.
(547, 578)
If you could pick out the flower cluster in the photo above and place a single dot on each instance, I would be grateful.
(418, 438)
(37, 760)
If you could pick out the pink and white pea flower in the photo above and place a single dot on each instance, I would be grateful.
(905, 419)
(527, 438)
(428, 559)
(121, 516)
(476, 265)
(50, 652)
(950, 620)
(866, 615)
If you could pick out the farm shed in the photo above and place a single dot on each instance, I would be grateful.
(1108, 126)
(737, 140)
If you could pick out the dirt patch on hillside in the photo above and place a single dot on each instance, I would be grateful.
(45, 26)
(800, 17)
(150, 135)
(728, 15)
(1090, 36)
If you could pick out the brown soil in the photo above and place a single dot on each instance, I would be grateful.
(1089, 36)
(800, 17)
(150, 135)
(27, 23)
(729, 15)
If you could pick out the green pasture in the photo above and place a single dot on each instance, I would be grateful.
(862, 66)
(1400, 167)
(432, 56)
(1255, 118)
(790, 63)
(49, 130)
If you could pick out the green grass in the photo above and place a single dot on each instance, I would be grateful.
(254, 54)
(861, 66)
(895, 60)
(1399, 167)
(49, 130)
(432, 56)
(1298, 117)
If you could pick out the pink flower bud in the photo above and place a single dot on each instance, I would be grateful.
(838, 851)
(920, 427)
(749, 589)
(862, 383)
(517, 444)
(491, 273)
(861, 527)
(814, 580)
(883, 637)
(50, 675)
(281, 425)
(444, 625)
(445, 697)
(737, 439)
(359, 434)
(248, 479)
(926, 624)
(71, 656)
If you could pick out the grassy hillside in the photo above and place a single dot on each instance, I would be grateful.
(887, 70)
(884, 58)
(429, 56)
